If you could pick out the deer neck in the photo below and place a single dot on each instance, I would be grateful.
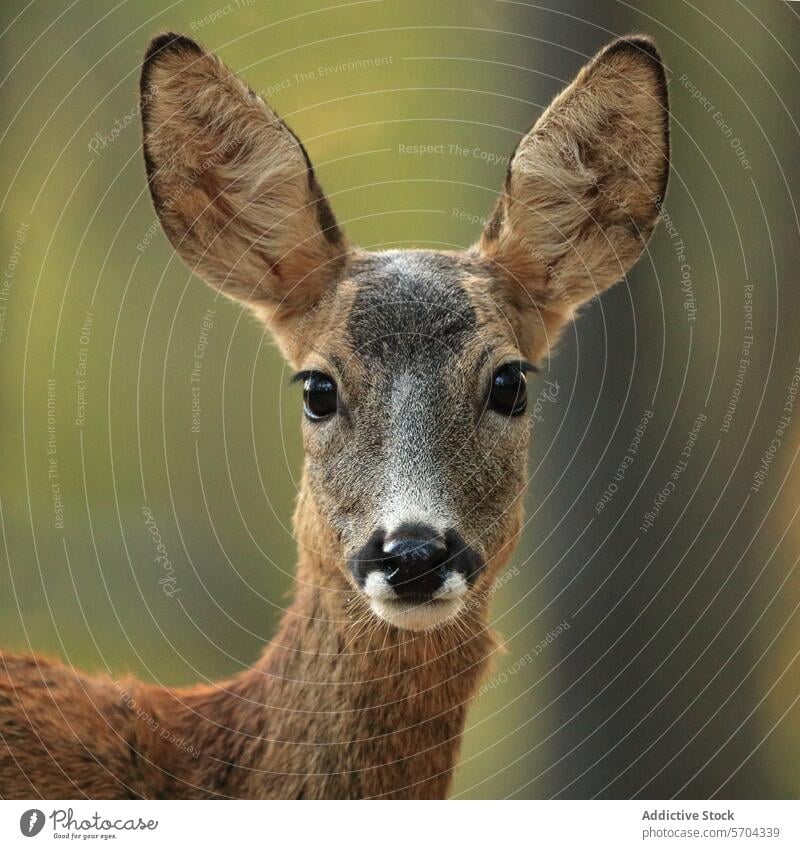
(341, 705)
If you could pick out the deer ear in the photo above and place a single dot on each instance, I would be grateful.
(232, 185)
(584, 186)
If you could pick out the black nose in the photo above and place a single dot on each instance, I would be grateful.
(412, 561)
(415, 560)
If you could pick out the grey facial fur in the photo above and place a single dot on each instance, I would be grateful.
(415, 442)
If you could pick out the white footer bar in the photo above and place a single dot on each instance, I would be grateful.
(393, 825)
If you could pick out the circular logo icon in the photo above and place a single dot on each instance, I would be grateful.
(31, 822)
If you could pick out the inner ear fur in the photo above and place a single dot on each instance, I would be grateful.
(584, 185)
(232, 185)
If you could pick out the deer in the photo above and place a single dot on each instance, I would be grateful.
(414, 367)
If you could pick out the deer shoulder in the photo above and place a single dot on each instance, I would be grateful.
(65, 734)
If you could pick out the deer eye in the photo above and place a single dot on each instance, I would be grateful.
(319, 395)
(509, 393)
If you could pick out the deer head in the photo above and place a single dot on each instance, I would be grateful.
(414, 364)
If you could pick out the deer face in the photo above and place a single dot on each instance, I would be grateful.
(414, 365)
(415, 429)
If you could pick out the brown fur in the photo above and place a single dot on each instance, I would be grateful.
(337, 707)
(233, 186)
(580, 199)
(342, 704)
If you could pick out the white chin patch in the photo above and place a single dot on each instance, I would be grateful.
(445, 604)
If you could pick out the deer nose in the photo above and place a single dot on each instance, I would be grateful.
(413, 562)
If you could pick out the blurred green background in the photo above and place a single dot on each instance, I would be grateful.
(678, 674)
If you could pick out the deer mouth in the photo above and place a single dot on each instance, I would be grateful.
(420, 616)
(416, 611)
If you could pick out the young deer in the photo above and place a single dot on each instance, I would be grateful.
(413, 366)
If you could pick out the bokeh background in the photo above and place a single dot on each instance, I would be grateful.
(678, 674)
